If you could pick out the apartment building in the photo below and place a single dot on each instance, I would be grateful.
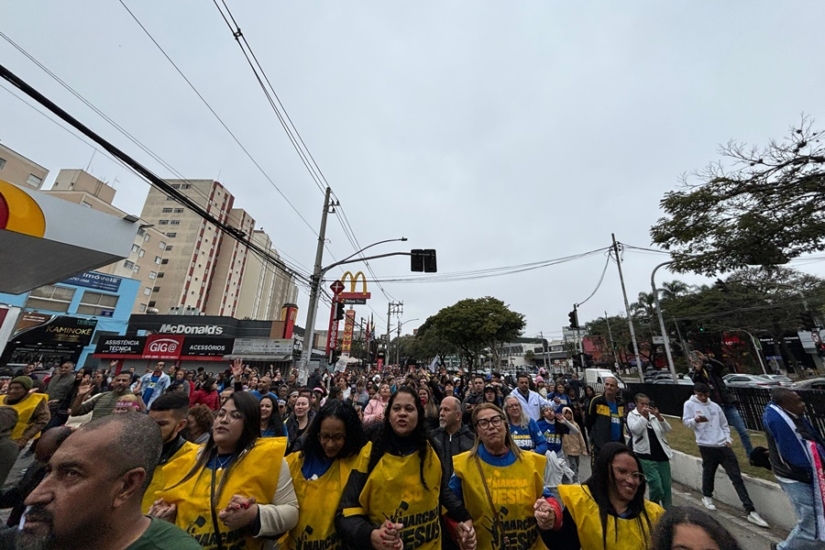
(265, 288)
(149, 248)
(17, 169)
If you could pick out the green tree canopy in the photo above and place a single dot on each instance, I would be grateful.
(763, 207)
(472, 326)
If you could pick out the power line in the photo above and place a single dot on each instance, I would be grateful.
(599, 284)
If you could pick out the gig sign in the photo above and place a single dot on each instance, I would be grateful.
(163, 346)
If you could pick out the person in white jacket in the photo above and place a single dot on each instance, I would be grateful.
(708, 422)
(648, 432)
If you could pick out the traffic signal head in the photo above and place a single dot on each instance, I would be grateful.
(423, 260)
(574, 319)
(339, 311)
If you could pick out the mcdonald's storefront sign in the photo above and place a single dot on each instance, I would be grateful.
(353, 296)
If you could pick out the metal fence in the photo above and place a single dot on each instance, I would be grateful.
(670, 398)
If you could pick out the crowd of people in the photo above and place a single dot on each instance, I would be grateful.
(253, 459)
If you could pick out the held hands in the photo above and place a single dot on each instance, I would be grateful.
(544, 514)
(387, 537)
(239, 512)
(466, 535)
(161, 510)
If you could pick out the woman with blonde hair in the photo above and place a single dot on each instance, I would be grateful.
(496, 474)
(524, 431)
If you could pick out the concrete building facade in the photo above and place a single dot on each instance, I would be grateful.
(17, 169)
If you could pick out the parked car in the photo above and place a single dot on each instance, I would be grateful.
(811, 384)
(781, 378)
(749, 381)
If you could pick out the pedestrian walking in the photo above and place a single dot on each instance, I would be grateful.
(573, 445)
(648, 433)
(605, 418)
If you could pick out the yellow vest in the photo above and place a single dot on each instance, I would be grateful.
(317, 501)
(25, 408)
(630, 534)
(514, 490)
(394, 491)
(254, 474)
(159, 476)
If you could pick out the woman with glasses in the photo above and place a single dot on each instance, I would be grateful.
(523, 429)
(394, 496)
(271, 423)
(320, 471)
(503, 486)
(236, 492)
(609, 510)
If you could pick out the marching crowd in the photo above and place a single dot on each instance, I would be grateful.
(251, 459)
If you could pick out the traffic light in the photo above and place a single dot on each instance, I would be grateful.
(423, 260)
(339, 311)
(807, 321)
(574, 318)
(334, 354)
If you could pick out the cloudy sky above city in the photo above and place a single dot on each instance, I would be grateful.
(498, 133)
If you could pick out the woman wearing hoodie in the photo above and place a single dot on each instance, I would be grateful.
(648, 429)
(572, 444)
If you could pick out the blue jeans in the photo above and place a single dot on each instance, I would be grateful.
(801, 496)
(735, 420)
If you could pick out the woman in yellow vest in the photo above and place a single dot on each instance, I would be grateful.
(236, 493)
(503, 487)
(32, 410)
(609, 510)
(321, 468)
(393, 497)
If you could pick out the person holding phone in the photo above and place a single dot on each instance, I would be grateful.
(648, 429)
(708, 422)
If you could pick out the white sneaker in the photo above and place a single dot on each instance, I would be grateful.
(707, 502)
(754, 518)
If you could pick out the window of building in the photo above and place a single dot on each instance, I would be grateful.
(174, 222)
(97, 303)
(152, 303)
(135, 248)
(185, 186)
(167, 210)
(50, 298)
(141, 253)
(128, 265)
(162, 245)
(163, 222)
(178, 210)
(161, 274)
(157, 259)
(175, 186)
(2, 163)
(34, 181)
(147, 291)
(169, 247)
(171, 235)
(136, 268)
(156, 289)
(146, 237)
(165, 261)
(141, 232)
(142, 308)
(152, 275)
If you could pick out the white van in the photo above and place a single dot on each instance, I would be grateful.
(595, 378)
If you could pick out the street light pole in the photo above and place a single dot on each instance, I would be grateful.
(398, 335)
(665, 338)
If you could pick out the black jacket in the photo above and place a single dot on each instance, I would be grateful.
(599, 424)
(447, 446)
(783, 468)
(711, 374)
(14, 496)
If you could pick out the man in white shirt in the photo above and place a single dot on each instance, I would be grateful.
(531, 402)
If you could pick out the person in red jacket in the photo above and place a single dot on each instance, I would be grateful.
(208, 395)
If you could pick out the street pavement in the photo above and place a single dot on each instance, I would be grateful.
(749, 535)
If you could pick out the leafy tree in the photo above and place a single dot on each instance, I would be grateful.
(473, 326)
(763, 207)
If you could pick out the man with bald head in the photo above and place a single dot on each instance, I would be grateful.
(605, 418)
(451, 437)
(91, 495)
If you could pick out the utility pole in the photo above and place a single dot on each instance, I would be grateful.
(393, 308)
(315, 288)
(627, 307)
(545, 347)
(612, 343)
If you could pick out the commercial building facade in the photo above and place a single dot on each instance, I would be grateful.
(17, 169)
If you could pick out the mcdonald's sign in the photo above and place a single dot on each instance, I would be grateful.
(353, 297)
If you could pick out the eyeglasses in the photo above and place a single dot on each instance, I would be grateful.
(485, 423)
(638, 477)
(335, 438)
(233, 415)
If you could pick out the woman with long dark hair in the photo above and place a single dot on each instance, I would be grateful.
(271, 423)
(319, 472)
(688, 527)
(399, 485)
(237, 488)
(609, 510)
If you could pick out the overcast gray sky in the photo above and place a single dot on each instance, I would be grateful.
(498, 133)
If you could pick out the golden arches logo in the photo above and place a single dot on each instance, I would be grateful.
(353, 281)
(19, 212)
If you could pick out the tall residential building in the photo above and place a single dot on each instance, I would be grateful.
(204, 270)
(149, 247)
(17, 169)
